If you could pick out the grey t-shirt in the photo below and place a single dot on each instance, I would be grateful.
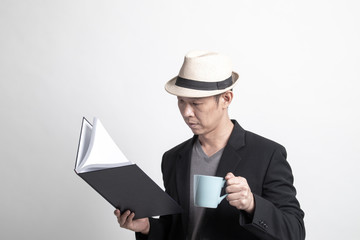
(203, 165)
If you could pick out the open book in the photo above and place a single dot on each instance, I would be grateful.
(122, 183)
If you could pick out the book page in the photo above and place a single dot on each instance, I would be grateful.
(84, 142)
(102, 151)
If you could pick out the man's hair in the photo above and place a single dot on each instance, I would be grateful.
(217, 98)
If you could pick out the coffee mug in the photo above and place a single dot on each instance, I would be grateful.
(207, 190)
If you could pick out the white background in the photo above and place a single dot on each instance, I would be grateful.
(61, 60)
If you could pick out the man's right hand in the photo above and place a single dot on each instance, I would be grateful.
(125, 220)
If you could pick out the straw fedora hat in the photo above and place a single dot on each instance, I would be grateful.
(203, 74)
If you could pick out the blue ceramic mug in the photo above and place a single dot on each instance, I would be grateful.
(207, 190)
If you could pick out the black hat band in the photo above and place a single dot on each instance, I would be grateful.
(198, 85)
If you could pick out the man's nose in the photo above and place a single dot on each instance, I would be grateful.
(188, 111)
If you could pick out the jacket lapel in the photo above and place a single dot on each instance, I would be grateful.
(183, 163)
(229, 161)
(230, 157)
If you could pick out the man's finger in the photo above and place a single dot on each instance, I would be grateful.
(131, 217)
(124, 217)
(232, 188)
(117, 212)
(129, 220)
(229, 175)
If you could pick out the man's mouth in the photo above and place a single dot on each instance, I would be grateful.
(192, 124)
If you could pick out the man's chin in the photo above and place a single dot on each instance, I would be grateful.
(195, 131)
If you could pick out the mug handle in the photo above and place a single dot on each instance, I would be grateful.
(223, 196)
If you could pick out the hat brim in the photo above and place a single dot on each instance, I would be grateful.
(171, 88)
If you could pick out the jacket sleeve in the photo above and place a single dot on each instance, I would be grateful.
(277, 212)
(158, 228)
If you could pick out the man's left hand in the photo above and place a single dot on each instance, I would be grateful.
(239, 193)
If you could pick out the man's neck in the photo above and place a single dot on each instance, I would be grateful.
(214, 141)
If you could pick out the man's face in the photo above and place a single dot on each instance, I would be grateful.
(202, 115)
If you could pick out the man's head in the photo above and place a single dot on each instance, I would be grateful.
(203, 88)
(203, 74)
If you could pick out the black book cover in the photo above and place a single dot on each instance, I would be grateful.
(129, 188)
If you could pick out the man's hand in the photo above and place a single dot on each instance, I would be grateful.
(126, 221)
(239, 193)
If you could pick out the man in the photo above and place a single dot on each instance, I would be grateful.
(261, 202)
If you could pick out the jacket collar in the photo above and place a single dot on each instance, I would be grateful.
(237, 137)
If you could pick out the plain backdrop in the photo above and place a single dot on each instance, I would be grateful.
(61, 60)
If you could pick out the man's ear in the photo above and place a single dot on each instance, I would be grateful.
(226, 98)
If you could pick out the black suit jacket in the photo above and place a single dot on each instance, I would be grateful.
(263, 163)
